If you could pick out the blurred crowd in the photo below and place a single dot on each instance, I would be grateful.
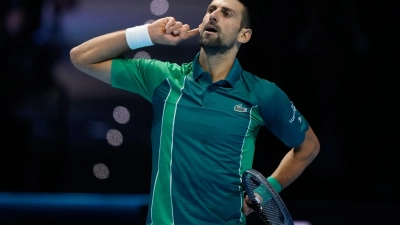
(29, 47)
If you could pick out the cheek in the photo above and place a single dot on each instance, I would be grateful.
(234, 32)
(205, 19)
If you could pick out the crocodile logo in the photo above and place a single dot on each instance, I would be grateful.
(240, 108)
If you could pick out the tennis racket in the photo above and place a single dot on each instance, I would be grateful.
(265, 201)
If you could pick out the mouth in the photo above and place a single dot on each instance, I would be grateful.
(210, 29)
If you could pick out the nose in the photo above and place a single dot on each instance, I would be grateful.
(214, 15)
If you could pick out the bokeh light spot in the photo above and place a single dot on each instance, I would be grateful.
(101, 171)
(301, 223)
(142, 54)
(159, 7)
(149, 21)
(121, 115)
(114, 137)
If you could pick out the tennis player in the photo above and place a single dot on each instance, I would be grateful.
(207, 114)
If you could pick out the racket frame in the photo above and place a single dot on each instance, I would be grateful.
(277, 199)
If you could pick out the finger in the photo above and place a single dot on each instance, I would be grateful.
(247, 200)
(170, 22)
(186, 33)
(175, 29)
(246, 209)
(200, 26)
(249, 211)
(182, 34)
(192, 33)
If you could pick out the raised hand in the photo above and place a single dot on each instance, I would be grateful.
(168, 31)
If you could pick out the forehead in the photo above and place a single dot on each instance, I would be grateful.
(234, 5)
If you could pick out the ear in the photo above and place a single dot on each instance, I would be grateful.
(244, 35)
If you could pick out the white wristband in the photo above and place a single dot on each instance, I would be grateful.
(138, 37)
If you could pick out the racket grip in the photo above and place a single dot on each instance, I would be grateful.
(275, 184)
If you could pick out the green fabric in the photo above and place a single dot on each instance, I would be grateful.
(275, 184)
(203, 135)
(262, 195)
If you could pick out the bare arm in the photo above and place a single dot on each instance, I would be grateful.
(293, 164)
(297, 159)
(94, 56)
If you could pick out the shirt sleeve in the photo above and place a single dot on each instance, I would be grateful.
(281, 116)
(140, 76)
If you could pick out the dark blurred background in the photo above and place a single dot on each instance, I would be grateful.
(76, 151)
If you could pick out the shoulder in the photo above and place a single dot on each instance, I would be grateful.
(152, 65)
(139, 61)
(261, 87)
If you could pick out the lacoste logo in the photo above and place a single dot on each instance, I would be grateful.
(240, 108)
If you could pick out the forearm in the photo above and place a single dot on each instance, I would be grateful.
(99, 49)
(290, 168)
(94, 57)
(296, 160)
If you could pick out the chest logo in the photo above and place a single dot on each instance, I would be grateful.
(240, 108)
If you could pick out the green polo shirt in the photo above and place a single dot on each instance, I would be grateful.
(203, 135)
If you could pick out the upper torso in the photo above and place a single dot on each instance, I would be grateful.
(203, 136)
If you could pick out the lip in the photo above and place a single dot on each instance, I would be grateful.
(210, 26)
(209, 32)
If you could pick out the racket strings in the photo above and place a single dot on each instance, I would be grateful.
(264, 202)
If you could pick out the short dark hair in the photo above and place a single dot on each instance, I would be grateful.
(249, 14)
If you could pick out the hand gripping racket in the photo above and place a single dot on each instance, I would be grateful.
(266, 202)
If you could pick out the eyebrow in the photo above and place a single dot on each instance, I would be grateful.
(223, 8)
(227, 9)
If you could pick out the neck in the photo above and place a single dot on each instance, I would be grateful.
(218, 65)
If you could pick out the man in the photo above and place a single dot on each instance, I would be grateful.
(207, 114)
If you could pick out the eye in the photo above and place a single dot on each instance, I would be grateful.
(227, 14)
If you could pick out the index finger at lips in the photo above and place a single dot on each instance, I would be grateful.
(192, 33)
(187, 33)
